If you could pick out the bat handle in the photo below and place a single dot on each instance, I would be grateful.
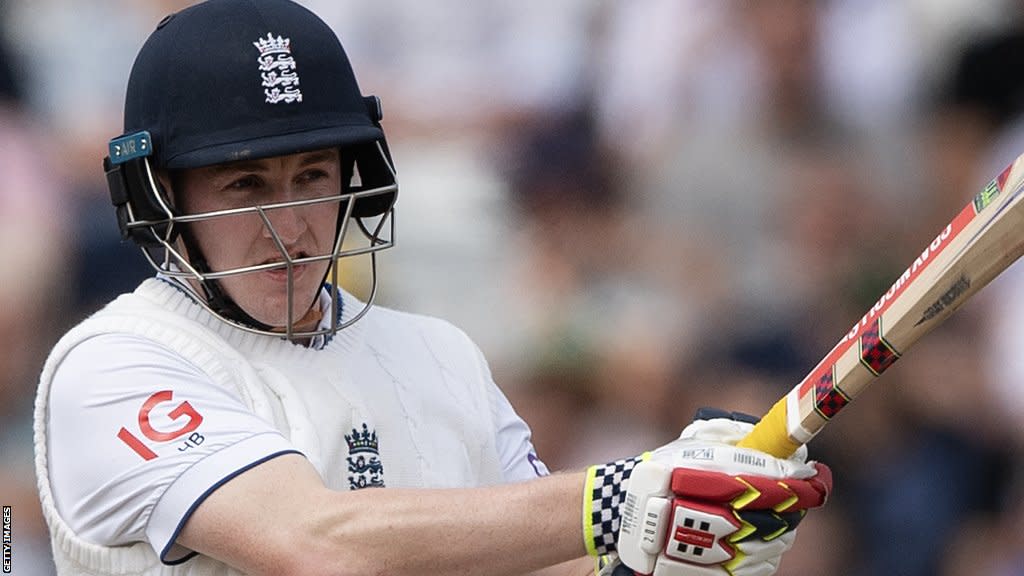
(770, 434)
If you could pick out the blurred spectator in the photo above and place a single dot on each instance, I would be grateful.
(32, 246)
(74, 88)
(449, 67)
(581, 273)
(79, 55)
(989, 103)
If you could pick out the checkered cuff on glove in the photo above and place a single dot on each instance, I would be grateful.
(602, 497)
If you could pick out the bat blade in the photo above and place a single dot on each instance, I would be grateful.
(984, 239)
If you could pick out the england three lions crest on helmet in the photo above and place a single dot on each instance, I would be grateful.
(277, 68)
(365, 469)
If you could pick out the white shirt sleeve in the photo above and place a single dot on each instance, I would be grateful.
(138, 437)
(518, 457)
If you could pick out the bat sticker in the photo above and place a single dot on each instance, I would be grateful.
(949, 297)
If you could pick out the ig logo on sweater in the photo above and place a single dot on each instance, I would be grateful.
(189, 417)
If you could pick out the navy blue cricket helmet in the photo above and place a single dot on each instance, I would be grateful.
(232, 80)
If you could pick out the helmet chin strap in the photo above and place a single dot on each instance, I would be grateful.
(216, 298)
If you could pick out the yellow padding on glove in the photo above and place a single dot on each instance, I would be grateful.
(743, 500)
(788, 502)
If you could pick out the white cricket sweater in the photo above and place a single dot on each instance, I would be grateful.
(396, 398)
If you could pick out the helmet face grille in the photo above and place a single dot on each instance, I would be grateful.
(182, 258)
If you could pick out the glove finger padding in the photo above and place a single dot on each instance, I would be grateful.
(767, 524)
(685, 521)
(716, 518)
(754, 492)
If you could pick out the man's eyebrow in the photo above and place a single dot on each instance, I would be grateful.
(260, 166)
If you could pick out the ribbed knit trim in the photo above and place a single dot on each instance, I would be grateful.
(174, 299)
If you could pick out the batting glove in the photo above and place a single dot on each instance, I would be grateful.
(701, 506)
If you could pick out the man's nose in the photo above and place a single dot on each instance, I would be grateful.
(287, 223)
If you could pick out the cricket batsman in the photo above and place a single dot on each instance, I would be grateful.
(240, 413)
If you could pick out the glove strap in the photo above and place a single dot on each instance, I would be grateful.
(602, 496)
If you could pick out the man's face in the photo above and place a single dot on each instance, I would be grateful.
(244, 240)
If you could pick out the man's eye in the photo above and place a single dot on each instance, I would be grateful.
(312, 175)
(243, 183)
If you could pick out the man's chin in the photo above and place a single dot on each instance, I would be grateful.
(302, 321)
(267, 302)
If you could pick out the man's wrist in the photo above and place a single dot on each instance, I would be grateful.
(603, 494)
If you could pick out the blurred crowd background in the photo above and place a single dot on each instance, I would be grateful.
(636, 209)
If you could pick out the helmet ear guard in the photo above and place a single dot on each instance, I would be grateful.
(375, 168)
(143, 213)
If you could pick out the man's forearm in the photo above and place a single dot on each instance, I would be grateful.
(507, 529)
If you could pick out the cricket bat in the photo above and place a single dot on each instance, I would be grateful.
(981, 241)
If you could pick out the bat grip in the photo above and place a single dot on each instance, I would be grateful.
(770, 434)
